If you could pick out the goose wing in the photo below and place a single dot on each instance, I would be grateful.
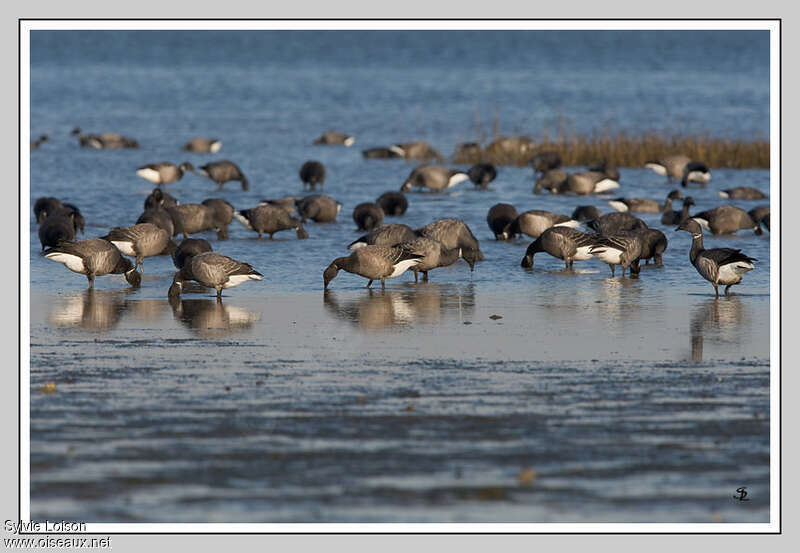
(724, 256)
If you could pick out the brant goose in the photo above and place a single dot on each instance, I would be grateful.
(383, 153)
(614, 223)
(760, 215)
(454, 233)
(269, 219)
(545, 161)
(222, 172)
(335, 138)
(623, 249)
(565, 243)
(419, 150)
(610, 170)
(669, 166)
(213, 270)
(164, 172)
(319, 208)
(643, 205)
(312, 173)
(373, 263)
(202, 145)
(554, 181)
(36, 143)
(159, 198)
(434, 255)
(43, 207)
(433, 177)
(367, 216)
(188, 249)
(726, 219)
(719, 265)
(57, 228)
(672, 217)
(696, 171)
(140, 241)
(393, 203)
(94, 257)
(194, 218)
(286, 203)
(654, 243)
(481, 174)
(586, 213)
(588, 182)
(535, 221)
(106, 140)
(387, 235)
(742, 193)
(499, 217)
(222, 214)
(161, 218)
(511, 150)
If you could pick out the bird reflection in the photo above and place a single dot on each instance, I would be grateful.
(719, 319)
(420, 303)
(90, 309)
(210, 318)
(621, 298)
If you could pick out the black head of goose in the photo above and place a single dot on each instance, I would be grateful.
(38, 142)
(481, 174)
(742, 193)
(222, 215)
(44, 206)
(202, 145)
(670, 166)
(433, 177)
(140, 241)
(381, 152)
(565, 243)
(454, 233)
(614, 223)
(223, 171)
(163, 172)
(607, 168)
(671, 217)
(434, 255)
(584, 213)
(312, 173)
(535, 221)
(386, 235)
(545, 161)
(760, 215)
(56, 228)
(189, 248)
(696, 171)
(499, 217)
(75, 214)
(159, 198)
(335, 138)
(644, 205)
(373, 263)
(94, 257)
(367, 216)
(553, 181)
(623, 249)
(393, 203)
(160, 218)
(726, 219)
(319, 208)
(269, 219)
(719, 265)
(213, 270)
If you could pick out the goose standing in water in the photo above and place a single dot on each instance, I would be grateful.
(614, 223)
(564, 243)
(373, 263)
(94, 257)
(269, 219)
(222, 172)
(106, 140)
(367, 216)
(584, 213)
(623, 249)
(545, 161)
(319, 208)
(719, 265)
(164, 172)
(202, 145)
(140, 241)
(672, 217)
(481, 174)
(433, 177)
(669, 166)
(554, 181)
(393, 203)
(654, 244)
(644, 205)
(213, 270)
(419, 150)
(589, 182)
(454, 233)
(387, 235)
(312, 173)
(161, 218)
(36, 143)
(189, 248)
(535, 221)
(726, 219)
(434, 255)
(335, 138)
(742, 193)
(499, 217)
(383, 153)
(160, 198)
(222, 214)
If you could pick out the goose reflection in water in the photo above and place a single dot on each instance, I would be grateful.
(210, 317)
(718, 319)
(90, 309)
(421, 303)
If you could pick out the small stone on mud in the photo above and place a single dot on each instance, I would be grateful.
(527, 476)
(467, 322)
(49, 388)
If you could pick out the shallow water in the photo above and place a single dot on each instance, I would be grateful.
(632, 399)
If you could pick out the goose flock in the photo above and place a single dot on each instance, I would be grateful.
(619, 238)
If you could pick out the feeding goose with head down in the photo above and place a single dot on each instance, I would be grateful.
(202, 145)
(164, 172)
(393, 203)
(213, 270)
(499, 217)
(535, 221)
(726, 219)
(454, 233)
(334, 138)
(223, 171)
(312, 173)
(565, 243)
(434, 255)
(386, 235)
(94, 257)
(433, 177)
(373, 263)
(319, 208)
(644, 205)
(481, 174)
(269, 219)
(140, 241)
(367, 216)
(623, 249)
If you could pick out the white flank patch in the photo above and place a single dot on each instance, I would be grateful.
(455, 179)
(583, 253)
(357, 245)
(215, 146)
(619, 206)
(244, 220)
(403, 266)
(236, 280)
(608, 255)
(398, 150)
(702, 222)
(338, 208)
(656, 168)
(125, 247)
(605, 184)
(349, 141)
(732, 272)
(572, 223)
(723, 194)
(698, 176)
(149, 174)
(73, 262)
(94, 143)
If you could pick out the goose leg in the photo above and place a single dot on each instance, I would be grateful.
(424, 276)
(716, 290)
(219, 292)
(416, 276)
(91, 281)
(728, 287)
(369, 283)
(383, 284)
(270, 235)
(612, 271)
(658, 261)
